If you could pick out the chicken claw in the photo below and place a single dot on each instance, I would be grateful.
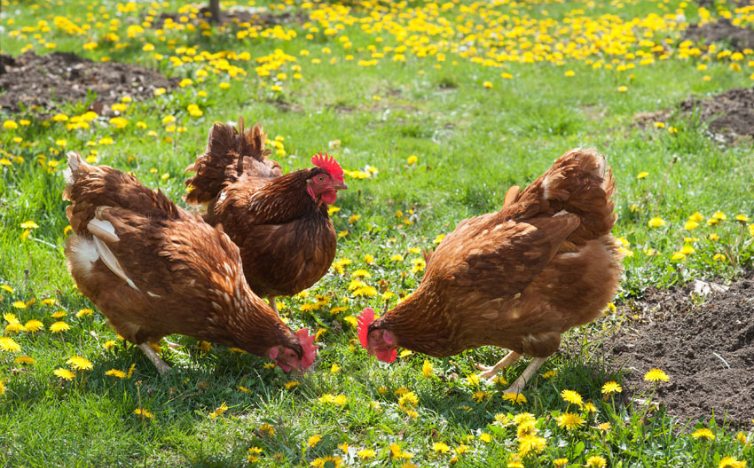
(526, 375)
(490, 372)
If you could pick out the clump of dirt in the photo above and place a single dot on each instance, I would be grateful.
(729, 115)
(48, 81)
(252, 16)
(721, 30)
(707, 351)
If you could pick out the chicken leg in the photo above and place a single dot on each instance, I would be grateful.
(161, 365)
(490, 372)
(274, 304)
(526, 375)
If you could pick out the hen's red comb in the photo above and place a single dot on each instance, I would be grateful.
(365, 319)
(329, 164)
(307, 343)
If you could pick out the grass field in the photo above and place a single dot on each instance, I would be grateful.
(434, 109)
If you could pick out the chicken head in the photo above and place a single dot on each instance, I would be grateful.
(323, 186)
(380, 343)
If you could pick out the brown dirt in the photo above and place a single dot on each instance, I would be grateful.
(721, 31)
(48, 81)
(729, 115)
(707, 350)
(237, 16)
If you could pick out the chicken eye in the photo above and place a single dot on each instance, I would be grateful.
(320, 178)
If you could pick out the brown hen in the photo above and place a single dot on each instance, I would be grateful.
(280, 222)
(517, 278)
(154, 269)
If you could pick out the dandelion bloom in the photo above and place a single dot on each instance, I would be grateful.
(517, 398)
(79, 363)
(33, 326)
(531, 444)
(560, 462)
(703, 433)
(427, 369)
(642, 175)
(9, 345)
(116, 373)
(143, 413)
(731, 462)
(322, 461)
(59, 327)
(24, 360)
(604, 426)
(596, 462)
(64, 374)
(290, 385)
(572, 397)
(252, 456)
(656, 222)
(611, 387)
(313, 440)
(441, 447)
(367, 453)
(570, 421)
(656, 375)
(412, 159)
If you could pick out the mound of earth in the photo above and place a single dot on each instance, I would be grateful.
(729, 115)
(48, 81)
(238, 15)
(721, 31)
(707, 351)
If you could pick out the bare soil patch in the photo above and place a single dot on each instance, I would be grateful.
(729, 115)
(251, 16)
(48, 81)
(707, 350)
(721, 31)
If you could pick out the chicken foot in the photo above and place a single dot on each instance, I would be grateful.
(526, 375)
(161, 365)
(490, 372)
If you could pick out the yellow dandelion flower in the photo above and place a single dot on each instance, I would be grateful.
(517, 398)
(116, 373)
(2, 388)
(531, 444)
(560, 462)
(291, 384)
(596, 461)
(611, 387)
(570, 421)
(412, 159)
(572, 397)
(313, 440)
(440, 447)
(703, 433)
(550, 374)
(656, 222)
(59, 327)
(365, 454)
(33, 326)
(642, 175)
(143, 413)
(604, 426)
(656, 375)
(24, 360)
(84, 312)
(19, 305)
(9, 345)
(79, 363)
(731, 462)
(427, 369)
(486, 438)
(64, 374)
(323, 461)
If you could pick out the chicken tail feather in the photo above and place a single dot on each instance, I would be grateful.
(579, 182)
(231, 154)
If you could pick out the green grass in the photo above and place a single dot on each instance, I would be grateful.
(471, 142)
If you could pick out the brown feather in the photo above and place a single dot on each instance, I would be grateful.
(287, 239)
(522, 276)
(187, 276)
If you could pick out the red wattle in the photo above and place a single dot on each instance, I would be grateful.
(387, 355)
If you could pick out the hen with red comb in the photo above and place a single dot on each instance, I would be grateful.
(279, 221)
